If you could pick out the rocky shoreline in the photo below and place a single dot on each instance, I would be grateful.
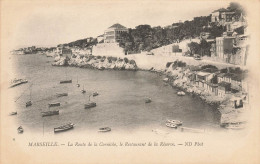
(96, 62)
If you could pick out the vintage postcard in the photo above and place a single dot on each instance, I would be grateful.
(129, 82)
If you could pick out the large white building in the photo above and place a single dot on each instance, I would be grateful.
(113, 33)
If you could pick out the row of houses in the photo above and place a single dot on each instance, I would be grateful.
(219, 84)
(222, 84)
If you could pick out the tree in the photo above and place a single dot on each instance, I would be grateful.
(236, 7)
(194, 48)
(204, 48)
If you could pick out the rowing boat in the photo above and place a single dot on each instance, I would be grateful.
(64, 127)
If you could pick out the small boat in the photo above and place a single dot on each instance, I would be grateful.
(148, 100)
(54, 104)
(105, 129)
(166, 79)
(78, 85)
(234, 126)
(90, 105)
(83, 90)
(20, 129)
(29, 103)
(181, 93)
(62, 94)
(13, 113)
(95, 94)
(170, 125)
(177, 122)
(50, 113)
(64, 127)
(17, 82)
(65, 81)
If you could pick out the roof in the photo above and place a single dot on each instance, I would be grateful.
(224, 84)
(203, 73)
(210, 70)
(117, 25)
(220, 10)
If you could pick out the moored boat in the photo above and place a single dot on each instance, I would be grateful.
(148, 100)
(28, 103)
(20, 129)
(83, 90)
(105, 129)
(78, 85)
(64, 127)
(65, 81)
(62, 94)
(54, 104)
(95, 94)
(90, 105)
(50, 113)
(17, 82)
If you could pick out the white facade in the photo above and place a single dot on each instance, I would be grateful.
(113, 33)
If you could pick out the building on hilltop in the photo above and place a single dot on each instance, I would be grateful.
(113, 33)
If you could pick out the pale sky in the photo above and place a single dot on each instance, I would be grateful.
(49, 24)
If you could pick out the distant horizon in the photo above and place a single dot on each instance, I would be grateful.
(50, 25)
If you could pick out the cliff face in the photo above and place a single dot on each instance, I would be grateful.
(98, 62)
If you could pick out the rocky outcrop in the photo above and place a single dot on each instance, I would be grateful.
(97, 62)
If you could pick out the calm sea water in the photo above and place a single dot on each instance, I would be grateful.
(120, 104)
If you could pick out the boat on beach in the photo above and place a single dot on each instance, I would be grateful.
(62, 94)
(13, 113)
(171, 125)
(65, 127)
(105, 129)
(54, 104)
(20, 129)
(50, 113)
(181, 93)
(17, 82)
(177, 122)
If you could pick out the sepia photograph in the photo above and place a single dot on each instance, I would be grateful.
(129, 82)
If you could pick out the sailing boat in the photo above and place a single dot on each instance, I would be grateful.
(29, 103)
(66, 81)
(90, 104)
(83, 90)
(78, 85)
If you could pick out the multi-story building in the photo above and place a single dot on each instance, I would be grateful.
(113, 33)
(224, 47)
(222, 16)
